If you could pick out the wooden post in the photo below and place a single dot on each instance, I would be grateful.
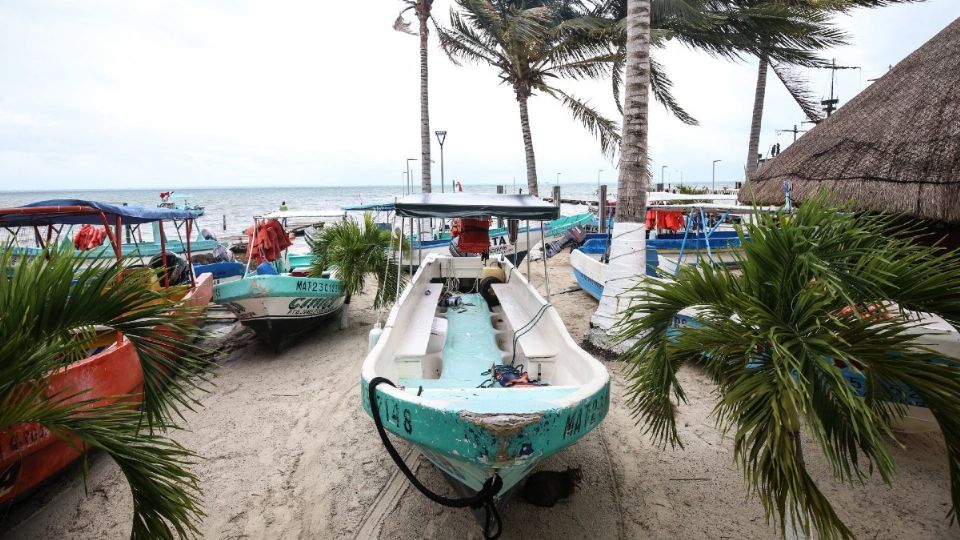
(224, 222)
(602, 211)
(556, 196)
(499, 219)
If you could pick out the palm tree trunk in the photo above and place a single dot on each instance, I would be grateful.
(528, 146)
(628, 244)
(423, 14)
(758, 99)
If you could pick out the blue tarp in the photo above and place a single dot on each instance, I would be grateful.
(62, 213)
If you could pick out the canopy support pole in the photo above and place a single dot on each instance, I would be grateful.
(411, 251)
(543, 248)
(193, 279)
(419, 238)
(529, 249)
(163, 254)
(399, 255)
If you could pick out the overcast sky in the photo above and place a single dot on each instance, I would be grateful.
(117, 94)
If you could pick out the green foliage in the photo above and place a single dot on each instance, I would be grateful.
(356, 250)
(51, 310)
(768, 336)
(532, 44)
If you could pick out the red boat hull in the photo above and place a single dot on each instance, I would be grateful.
(31, 454)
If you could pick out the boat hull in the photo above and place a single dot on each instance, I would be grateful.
(472, 432)
(279, 308)
(30, 453)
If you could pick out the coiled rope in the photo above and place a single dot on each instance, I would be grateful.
(483, 498)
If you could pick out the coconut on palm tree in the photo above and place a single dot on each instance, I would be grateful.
(533, 44)
(422, 10)
(821, 295)
(358, 250)
(52, 309)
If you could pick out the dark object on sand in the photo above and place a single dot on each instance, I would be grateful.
(545, 488)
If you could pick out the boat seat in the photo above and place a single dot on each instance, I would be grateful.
(471, 347)
(533, 344)
(419, 325)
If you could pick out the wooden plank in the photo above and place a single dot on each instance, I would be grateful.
(532, 343)
(417, 330)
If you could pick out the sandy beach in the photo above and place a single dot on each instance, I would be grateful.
(288, 453)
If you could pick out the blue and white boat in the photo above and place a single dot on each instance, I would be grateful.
(666, 252)
(462, 330)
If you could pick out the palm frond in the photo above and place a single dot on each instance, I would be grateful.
(780, 338)
(605, 129)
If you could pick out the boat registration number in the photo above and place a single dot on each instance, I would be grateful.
(318, 286)
(586, 415)
(392, 413)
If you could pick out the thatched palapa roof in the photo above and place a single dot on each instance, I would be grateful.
(895, 147)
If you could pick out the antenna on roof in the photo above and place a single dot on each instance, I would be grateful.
(830, 105)
(795, 131)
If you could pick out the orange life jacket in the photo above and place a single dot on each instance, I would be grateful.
(269, 243)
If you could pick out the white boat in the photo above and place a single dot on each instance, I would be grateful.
(433, 372)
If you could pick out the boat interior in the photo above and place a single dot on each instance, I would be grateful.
(461, 316)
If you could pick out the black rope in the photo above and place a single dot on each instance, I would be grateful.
(483, 498)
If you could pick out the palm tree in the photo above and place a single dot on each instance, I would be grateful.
(627, 246)
(817, 291)
(356, 250)
(422, 9)
(532, 43)
(50, 310)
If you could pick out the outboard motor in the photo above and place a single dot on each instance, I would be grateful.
(178, 270)
(207, 235)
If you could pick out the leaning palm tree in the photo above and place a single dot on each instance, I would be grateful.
(422, 10)
(52, 309)
(627, 245)
(811, 18)
(357, 250)
(532, 44)
(821, 294)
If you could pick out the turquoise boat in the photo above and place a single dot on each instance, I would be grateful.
(476, 369)
(279, 302)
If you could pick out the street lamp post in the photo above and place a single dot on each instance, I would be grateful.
(441, 136)
(714, 177)
(409, 184)
(662, 169)
(598, 177)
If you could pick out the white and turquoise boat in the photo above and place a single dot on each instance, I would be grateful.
(459, 323)
(277, 303)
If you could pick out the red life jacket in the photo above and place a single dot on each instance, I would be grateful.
(269, 243)
(474, 235)
(89, 237)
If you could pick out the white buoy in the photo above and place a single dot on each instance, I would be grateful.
(374, 336)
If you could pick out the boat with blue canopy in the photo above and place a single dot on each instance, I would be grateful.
(475, 368)
(130, 238)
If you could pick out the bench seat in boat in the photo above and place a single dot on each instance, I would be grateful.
(417, 330)
(532, 343)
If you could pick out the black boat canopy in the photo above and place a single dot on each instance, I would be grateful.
(79, 212)
(453, 205)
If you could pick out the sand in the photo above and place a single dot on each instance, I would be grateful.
(288, 453)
